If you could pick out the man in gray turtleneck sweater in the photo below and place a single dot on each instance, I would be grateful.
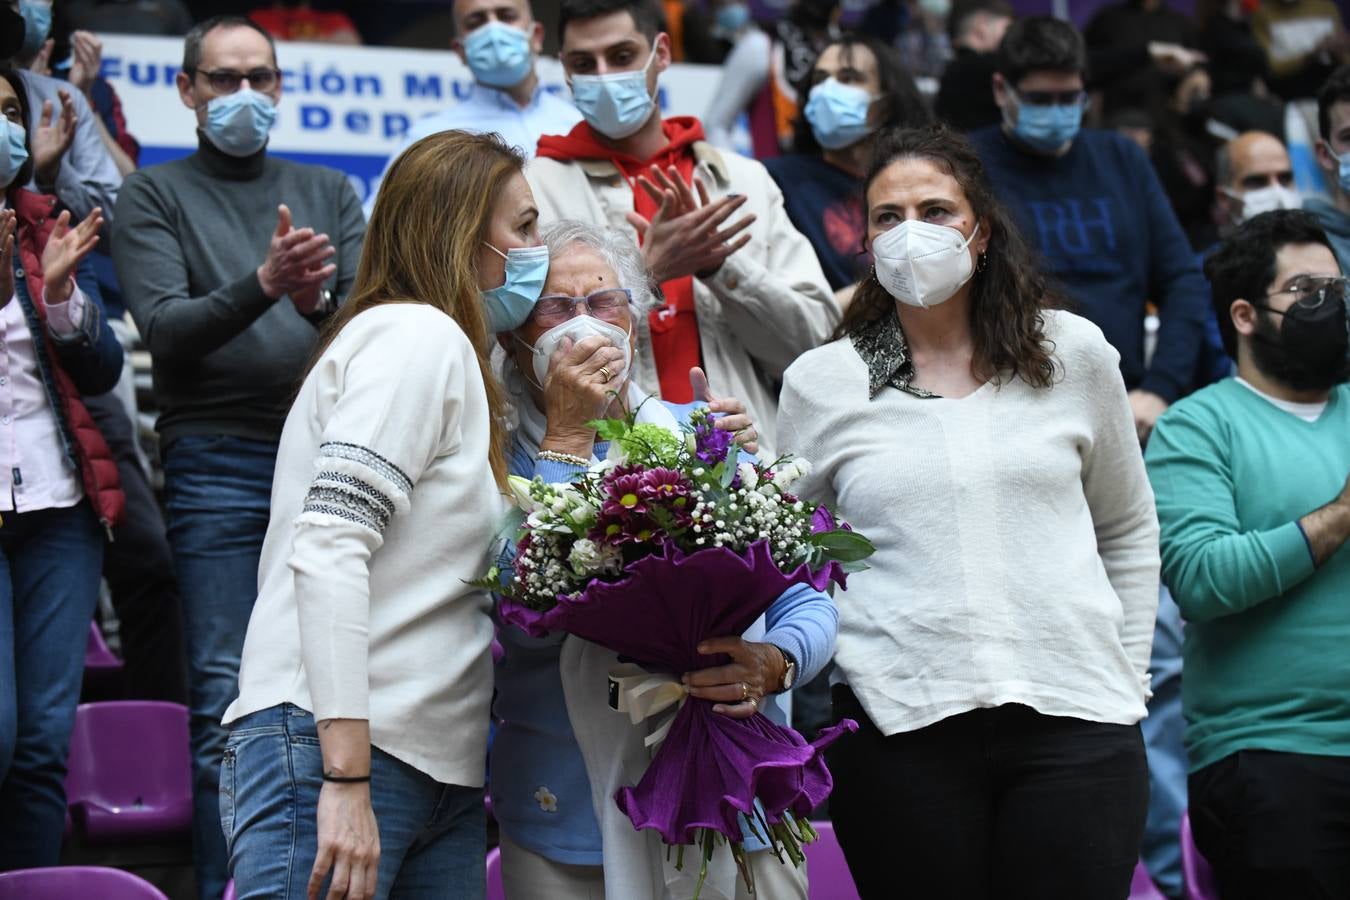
(228, 296)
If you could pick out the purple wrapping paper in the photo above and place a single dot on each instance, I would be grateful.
(710, 767)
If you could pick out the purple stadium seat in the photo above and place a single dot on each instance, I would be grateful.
(75, 881)
(495, 891)
(129, 773)
(1198, 875)
(826, 869)
(97, 656)
(1142, 886)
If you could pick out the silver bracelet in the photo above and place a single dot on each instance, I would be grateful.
(570, 458)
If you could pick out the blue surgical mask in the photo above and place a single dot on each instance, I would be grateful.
(510, 305)
(1046, 128)
(37, 25)
(238, 123)
(1343, 171)
(838, 114)
(731, 18)
(13, 153)
(615, 105)
(498, 54)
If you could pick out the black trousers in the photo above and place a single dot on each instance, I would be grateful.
(991, 803)
(138, 567)
(1274, 825)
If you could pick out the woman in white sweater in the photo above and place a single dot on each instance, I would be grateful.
(355, 762)
(996, 654)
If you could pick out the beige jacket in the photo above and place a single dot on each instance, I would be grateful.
(766, 305)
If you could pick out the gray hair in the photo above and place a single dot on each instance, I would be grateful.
(615, 248)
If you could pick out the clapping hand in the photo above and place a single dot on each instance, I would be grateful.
(731, 413)
(296, 264)
(53, 138)
(8, 226)
(685, 236)
(65, 248)
(87, 50)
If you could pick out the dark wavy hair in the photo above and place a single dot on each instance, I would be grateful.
(1008, 293)
(904, 106)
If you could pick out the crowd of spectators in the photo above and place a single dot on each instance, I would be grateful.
(1142, 163)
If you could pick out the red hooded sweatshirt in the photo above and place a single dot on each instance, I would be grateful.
(674, 326)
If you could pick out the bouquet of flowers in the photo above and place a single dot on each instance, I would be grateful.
(670, 540)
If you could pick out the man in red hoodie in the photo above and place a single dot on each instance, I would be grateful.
(744, 293)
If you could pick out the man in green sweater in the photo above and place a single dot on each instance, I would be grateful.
(229, 259)
(1250, 476)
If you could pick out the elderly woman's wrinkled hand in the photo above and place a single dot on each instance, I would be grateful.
(755, 671)
(731, 412)
(581, 381)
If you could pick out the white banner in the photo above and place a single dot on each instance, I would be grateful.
(345, 107)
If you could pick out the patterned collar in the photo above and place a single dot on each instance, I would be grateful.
(882, 345)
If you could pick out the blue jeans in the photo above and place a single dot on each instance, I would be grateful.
(48, 591)
(432, 835)
(218, 493)
(1163, 732)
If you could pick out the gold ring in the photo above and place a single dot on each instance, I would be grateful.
(753, 701)
(745, 692)
(607, 375)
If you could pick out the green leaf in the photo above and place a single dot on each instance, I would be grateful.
(609, 429)
(844, 546)
(728, 469)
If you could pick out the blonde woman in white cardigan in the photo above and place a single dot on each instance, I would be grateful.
(996, 654)
(355, 762)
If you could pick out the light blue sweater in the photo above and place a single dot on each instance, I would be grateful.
(534, 754)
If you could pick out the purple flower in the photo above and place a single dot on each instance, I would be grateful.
(663, 484)
(711, 444)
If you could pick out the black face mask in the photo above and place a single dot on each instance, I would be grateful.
(1310, 351)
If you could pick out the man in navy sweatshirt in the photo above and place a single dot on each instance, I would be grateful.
(1090, 202)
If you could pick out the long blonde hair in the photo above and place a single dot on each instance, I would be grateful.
(433, 212)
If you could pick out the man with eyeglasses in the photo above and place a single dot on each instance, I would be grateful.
(229, 260)
(499, 40)
(1250, 479)
(1091, 203)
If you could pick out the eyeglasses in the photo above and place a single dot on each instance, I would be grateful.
(227, 81)
(1051, 98)
(610, 304)
(1312, 291)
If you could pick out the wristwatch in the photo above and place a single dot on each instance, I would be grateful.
(789, 669)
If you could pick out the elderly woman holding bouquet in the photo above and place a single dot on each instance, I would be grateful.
(561, 834)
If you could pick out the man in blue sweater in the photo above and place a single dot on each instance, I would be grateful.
(1089, 201)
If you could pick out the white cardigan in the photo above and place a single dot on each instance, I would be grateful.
(383, 505)
(1017, 542)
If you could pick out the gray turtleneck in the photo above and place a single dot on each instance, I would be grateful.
(189, 236)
